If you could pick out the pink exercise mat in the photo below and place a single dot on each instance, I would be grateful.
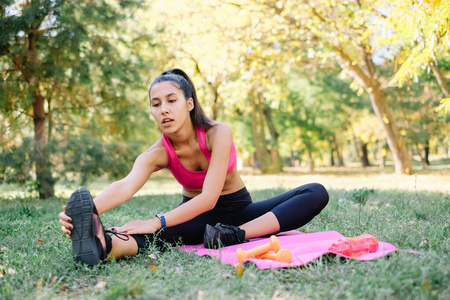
(304, 248)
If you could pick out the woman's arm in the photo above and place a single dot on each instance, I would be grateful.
(220, 137)
(150, 161)
(121, 191)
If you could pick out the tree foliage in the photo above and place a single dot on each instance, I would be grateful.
(417, 33)
(297, 80)
(66, 65)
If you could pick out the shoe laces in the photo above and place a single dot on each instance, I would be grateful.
(122, 236)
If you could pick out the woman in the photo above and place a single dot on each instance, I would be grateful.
(216, 207)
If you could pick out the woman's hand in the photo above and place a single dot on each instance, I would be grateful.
(66, 222)
(140, 227)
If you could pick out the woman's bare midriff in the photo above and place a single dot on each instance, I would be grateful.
(233, 183)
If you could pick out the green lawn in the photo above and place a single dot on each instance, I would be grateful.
(36, 263)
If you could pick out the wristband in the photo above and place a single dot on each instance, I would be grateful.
(163, 220)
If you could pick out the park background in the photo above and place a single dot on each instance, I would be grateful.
(352, 94)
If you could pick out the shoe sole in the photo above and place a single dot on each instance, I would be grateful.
(80, 208)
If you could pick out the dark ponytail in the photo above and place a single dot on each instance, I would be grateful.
(198, 117)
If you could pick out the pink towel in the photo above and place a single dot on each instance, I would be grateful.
(304, 248)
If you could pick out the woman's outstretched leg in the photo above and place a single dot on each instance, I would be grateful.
(91, 243)
(121, 248)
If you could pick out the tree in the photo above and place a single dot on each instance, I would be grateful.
(201, 49)
(365, 132)
(343, 29)
(417, 106)
(59, 54)
(419, 38)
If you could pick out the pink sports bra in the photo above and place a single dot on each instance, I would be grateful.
(193, 179)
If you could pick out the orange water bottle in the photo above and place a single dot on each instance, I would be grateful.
(355, 246)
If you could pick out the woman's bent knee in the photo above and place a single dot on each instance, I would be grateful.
(320, 193)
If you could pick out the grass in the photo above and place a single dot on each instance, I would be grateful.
(35, 258)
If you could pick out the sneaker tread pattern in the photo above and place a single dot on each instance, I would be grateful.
(80, 208)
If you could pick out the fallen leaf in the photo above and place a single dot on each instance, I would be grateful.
(239, 269)
(153, 268)
(63, 287)
(39, 284)
(40, 241)
(201, 295)
(427, 283)
(152, 256)
(10, 271)
(100, 285)
(424, 243)
(179, 270)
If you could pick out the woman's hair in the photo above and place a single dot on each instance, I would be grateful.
(184, 83)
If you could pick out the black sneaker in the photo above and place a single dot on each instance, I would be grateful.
(90, 243)
(222, 235)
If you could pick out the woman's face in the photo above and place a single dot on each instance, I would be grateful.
(169, 106)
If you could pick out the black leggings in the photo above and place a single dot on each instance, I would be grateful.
(292, 209)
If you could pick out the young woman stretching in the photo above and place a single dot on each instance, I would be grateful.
(216, 209)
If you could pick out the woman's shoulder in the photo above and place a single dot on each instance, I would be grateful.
(157, 146)
(219, 131)
(156, 149)
(156, 154)
(219, 128)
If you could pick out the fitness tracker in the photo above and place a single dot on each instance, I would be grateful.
(163, 220)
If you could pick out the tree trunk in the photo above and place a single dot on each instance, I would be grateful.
(310, 161)
(261, 122)
(214, 85)
(261, 152)
(44, 180)
(365, 155)
(266, 159)
(419, 153)
(277, 164)
(216, 103)
(338, 152)
(254, 129)
(355, 145)
(440, 79)
(426, 154)
(332, 163)
(400, 154)
(414, 138)
(381, 154)
(447, 151)
(50, 119)
(45, 183)
(380, 106)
